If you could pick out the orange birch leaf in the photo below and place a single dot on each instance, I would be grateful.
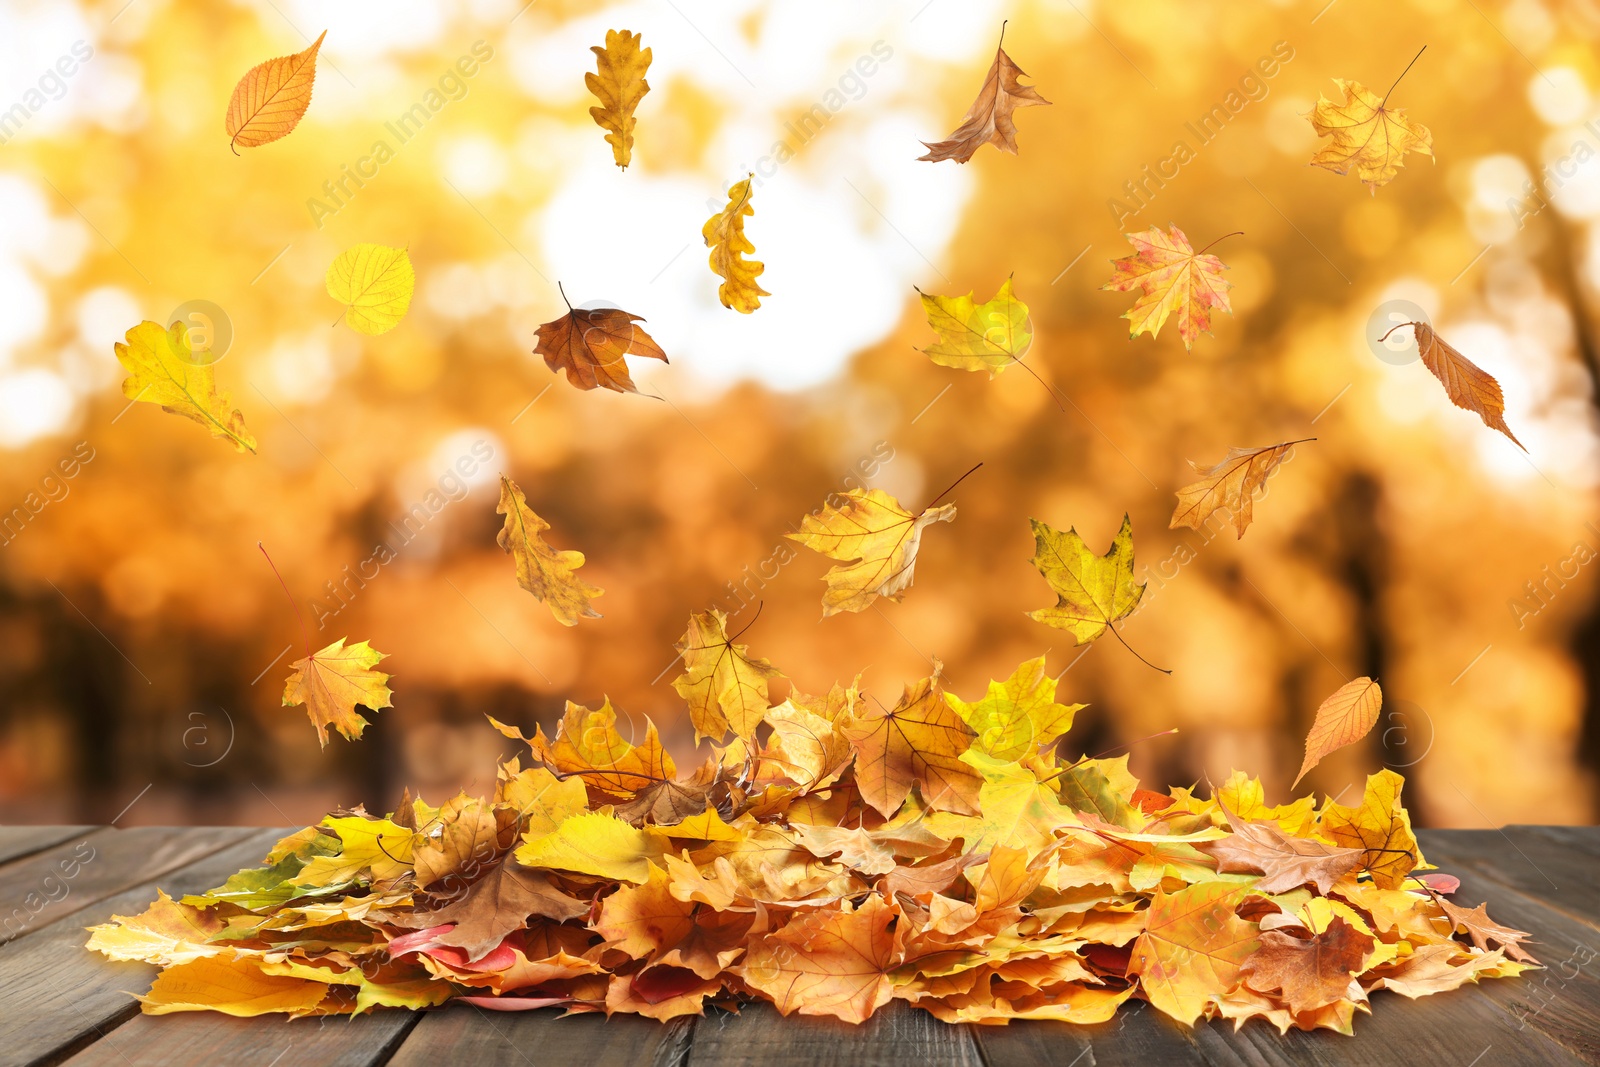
(271, 98)
(1343, 719)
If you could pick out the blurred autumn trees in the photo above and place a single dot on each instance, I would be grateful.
(138, 625)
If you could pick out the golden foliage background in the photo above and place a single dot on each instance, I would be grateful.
(139, 623)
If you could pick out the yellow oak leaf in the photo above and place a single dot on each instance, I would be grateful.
(1017, 717)
(991, 119)
(875, 538)
(332, 682)
(1379, 827)
(1171, 277)
(1092, 592)
(830, 962)
(725, 686)
(724, 235)
(920, 740)
(591, 344)
(989, 336)
(163, 369)
(1193, 947)
(593, 843)
(272, 97)
(619, 85)
(375, 284)
(1230, 486)
(1365, 135)
(1347, 716)
(551, 576)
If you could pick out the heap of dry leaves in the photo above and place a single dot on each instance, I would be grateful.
(834, 856)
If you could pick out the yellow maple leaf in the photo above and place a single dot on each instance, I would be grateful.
(380, 848)
(1019, 716)
(587, 744)
(163, 369)
(1380, 827)
(1231, 485)
(1171, 277)
(271, 98)
(920, 740)
(1347, 716)
(833, 962)
(876, 538)
(1365, 135)
(976, 337)
(375, 284)
(724, 235)
(549, 575)
(1193, 947)
(619, 85)
(1092, 592)
(332, 682)
(725, 686)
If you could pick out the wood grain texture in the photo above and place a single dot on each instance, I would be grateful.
(18, 841)
(44, 887)
(55, 995)
(1139, 1035)
(207, 1039)
(897, 1036)
(461, 1033)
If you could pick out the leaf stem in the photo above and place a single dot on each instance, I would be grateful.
(953, 484)
(759, 605)
(1219, 240)
(564, 299)
(1403, 73)
(1136, 655)
(1392, 329)
(305, 631)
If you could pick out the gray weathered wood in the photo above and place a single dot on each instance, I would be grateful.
(45, 886)
(207, 1039)
(896, 1036)
(55, 995)
(1138, 1035)
(462, 1033)
(17, 841)
(1556, 874)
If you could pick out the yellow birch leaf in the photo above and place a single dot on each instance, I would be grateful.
(724, 235)
(989, 336)
(551, 576)
(162, 369)
(374, 283)
(272, 97)
(331, 683)
(619, 85)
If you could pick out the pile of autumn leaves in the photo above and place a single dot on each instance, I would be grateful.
(835, 855)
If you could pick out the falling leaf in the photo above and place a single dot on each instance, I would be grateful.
(271, 98)
(1365, 135)
(725, 686)
(1347, 716)
(1379, 827)
(1468, 385)
(588, 744)
(619, 85)
(332, 682)
(549, 575)
(1310, 972)
(1170, 277)
(919, 741)
(1092, 592)
(375, 284)
(724, 235)
(1019, 716)
(992, 117)
(590, 345)
(1193, 947)
(162, 369)
(1231, 486)
(1285, 861)
(977, 337)
(875, 538)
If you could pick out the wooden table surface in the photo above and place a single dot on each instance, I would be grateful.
(60, 1003)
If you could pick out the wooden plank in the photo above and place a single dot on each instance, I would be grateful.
(42, 888)
(1138, 1036)
(55, 995)
(1562, 1001)
(897, 1036)
(462, 1033)
(19, 841)
(1557, 875)
(206, 1039)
